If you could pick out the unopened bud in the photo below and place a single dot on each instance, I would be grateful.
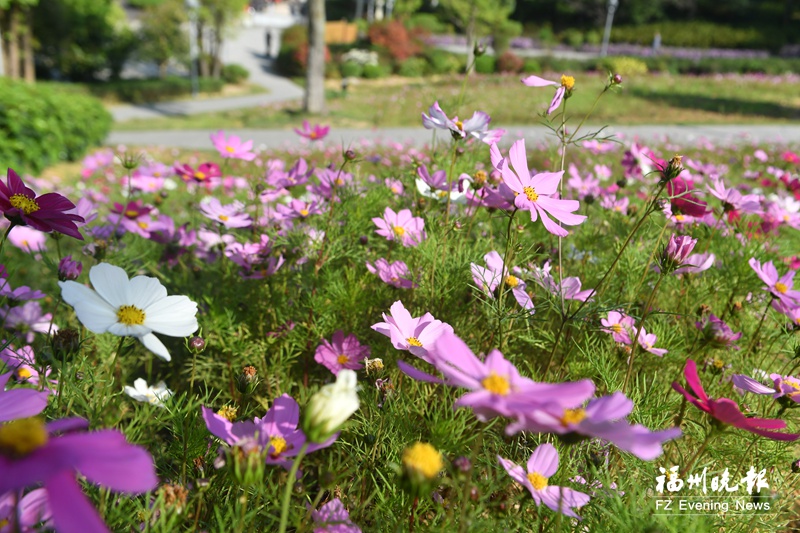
(616, 79)
(69, 269)
(65, 342)
(248, 380)
(350, 155)
(462, 464)
(197, 344)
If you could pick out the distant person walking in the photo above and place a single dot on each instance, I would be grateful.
(656, 43)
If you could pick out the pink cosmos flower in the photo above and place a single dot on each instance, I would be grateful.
(495, 383)
(25, 368)
(230, 215)
(403, 227)
(46, 213)
(341, 352)
(133, 217)
(27, 513)
(676, 252)
(647, 341)
(19, 402)
(717, 333)
(202, 174)
(534, 193)
(232, 147)
(614, 204)
(682, 202)
(489, 279)
(395, 274)
(298, 209)
(317, 132)
(333, 518)
(276, 435)
(620, 325)
(783, 386)
(603, 418)
(727, 411)
(477, 126)
(254, 258)
(103, 457)
(541, 466)
(696, 263)
(571, 286)
(734, 201)
(564, 88)
(27, 319)
(780, 288)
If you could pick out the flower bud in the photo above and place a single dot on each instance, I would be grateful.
(330, 407)
(673, 168)
(247, 381)
(350, 155)
(69, 269)
(616, 79)
(676, 252)
(462, 464)
(196, 345)
(421, 464)
(65, 343)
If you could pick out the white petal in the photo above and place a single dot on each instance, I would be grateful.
(140, 385)
(122, 330)
(173, 316)
(111, 282)
(152, 343)
(145, 291)
(93, 311)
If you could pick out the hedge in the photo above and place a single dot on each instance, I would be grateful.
(153, 90)
(41, 125)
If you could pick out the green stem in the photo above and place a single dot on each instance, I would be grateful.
(287, 492)
(639, 330)
(5, 236)
(561, 195)
(591, 110)
(501, 292)
(650, 260)
(449, 180)
(697, 455)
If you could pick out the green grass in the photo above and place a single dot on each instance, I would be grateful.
(650, 99)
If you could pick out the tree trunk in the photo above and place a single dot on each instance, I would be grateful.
(27, 48)
(315, 69)
(3, 41)
(162, 69)
(12, 42)
(202, 54)
(216, 59)
(471, 39)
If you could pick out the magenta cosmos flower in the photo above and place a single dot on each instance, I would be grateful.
(782, 386)
(727, 411)
(402, 227)
(604, 418)
(45, 213)
(276, 434)
(780, 288)
(317, 132)
(682, 202)
(534, 193)
(565, 86)
(541, 466)
(27, 513)
(32, 453)
(341, 352)
(232, 147)
(333, 518)
(676, 252)
(496, 383)
(19, 403)
(201, 174)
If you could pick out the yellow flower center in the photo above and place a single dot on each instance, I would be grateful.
(199, 176)
(413, 341)
(530, 192)
(230, 149)
(23, 373)
(496, 384)
(459, 125)
(142, 225)
(312, 135)
(572, 416)
(718, 363)
(538, 481)
(21, 437)
(399, 231)
(512, 281)
(130, 315)
(228, 412)
(304, 212)
(23, 203)
(423, 459)
(568, 82)
(480, 177)
(781, 288)
(342, 359)
(278, 446)
(680, 218)
(339, 181)
(130, 213)
(616, 328)
(223, 218)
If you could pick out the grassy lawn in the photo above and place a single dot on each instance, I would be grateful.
(650, 99)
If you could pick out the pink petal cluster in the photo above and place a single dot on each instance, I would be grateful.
(402, 227)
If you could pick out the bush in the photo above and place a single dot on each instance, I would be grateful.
(351, 69)
(413, 67)
(532, 66)
(372, 72)
(428, 23)
(503, 34)
(234, 73)
(573, 38)
(509, 62)
(153, 90)
(697, 34)
(293, 54)
(485, 64)
(42, 124)
(442, 62)
(393, 36)
(594, 38)
(625, 66)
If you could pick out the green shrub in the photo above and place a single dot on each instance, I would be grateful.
(372, 72)
(625, 66)
(532, 66)
(153, 90)
(573, 38)
(42, 124)
(594, 37)
(429, 23)
(442, 62)
(698, 34)
(413, 67)
(503, 34)
(485, 64)
(234, 73)
(351, 69)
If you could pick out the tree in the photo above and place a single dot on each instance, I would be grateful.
(475, 17)
(16, 28)
(162, 35)
(216, 16)
(315, 69)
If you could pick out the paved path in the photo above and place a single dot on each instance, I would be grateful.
(247, 48)
(679, 135)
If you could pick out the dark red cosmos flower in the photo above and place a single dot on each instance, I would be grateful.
(45, 213)
(203, 173)
(682, 202)
(727, 411)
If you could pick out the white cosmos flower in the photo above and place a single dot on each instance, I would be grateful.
(130, 308)
(331, 406)
(154, 395)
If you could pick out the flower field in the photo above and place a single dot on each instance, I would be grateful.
(479, 335)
